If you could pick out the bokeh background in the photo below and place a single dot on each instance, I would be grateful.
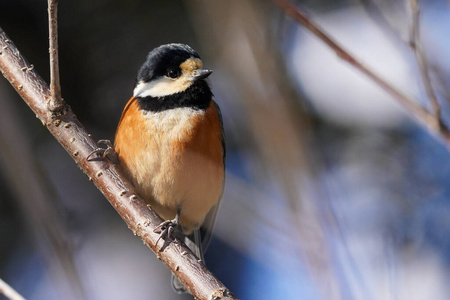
(333, 191)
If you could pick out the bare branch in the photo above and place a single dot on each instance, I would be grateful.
(108, 178)
(56, 103)
(425, 118)
(34, 195)
(375, 12)
(414, 43)
(9, 292)
(421, 58)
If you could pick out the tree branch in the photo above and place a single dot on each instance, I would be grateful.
(421, 57)
(9, 292)
(428, 120)
(108, 178)
(34, 195)
(56, 103)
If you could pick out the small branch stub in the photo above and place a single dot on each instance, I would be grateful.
(55, 103)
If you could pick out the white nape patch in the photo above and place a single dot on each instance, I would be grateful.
(161, 87)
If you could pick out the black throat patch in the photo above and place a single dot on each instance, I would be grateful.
(198, 96)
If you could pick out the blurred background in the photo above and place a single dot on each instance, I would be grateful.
(332, 191)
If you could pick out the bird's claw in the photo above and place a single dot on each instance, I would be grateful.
(107, 152)
(165, 229)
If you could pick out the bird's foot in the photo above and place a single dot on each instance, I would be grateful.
(107, 152)
(166, 228)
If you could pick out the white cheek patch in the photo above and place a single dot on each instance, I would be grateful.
(161, 87)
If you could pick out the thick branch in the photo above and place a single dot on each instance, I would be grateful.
(71, 134)
(55, 103)
(425, 118)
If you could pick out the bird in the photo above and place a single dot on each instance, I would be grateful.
(170, 144)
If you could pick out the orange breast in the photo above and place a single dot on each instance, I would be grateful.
(174, 158)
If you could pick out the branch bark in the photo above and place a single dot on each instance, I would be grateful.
(108, 178)
(34, 195)
(430, 121)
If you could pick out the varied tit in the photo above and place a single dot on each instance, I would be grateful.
(170, 144)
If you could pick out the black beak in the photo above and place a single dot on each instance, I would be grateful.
(202, 73)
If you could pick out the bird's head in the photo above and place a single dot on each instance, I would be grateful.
(168, 70)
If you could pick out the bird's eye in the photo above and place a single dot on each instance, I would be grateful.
(173, 73)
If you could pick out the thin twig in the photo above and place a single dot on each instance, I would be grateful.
(9, 292)
(55, 103)
(375, 12)
(414, 43)
(424, 117)
(140, 218)
(421, 58)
